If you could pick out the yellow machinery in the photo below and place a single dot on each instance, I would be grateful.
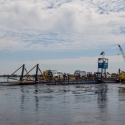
(47, 75)
(122, 76)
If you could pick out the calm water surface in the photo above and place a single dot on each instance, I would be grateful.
(62, 105)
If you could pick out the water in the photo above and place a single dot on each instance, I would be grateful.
(62, 105)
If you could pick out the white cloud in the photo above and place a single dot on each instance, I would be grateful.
(12, 45)
(75, 24)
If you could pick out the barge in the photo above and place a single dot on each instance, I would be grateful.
(72, 82)
(12, 83)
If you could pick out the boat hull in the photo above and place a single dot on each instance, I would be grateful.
(70, 82)
(17, 83)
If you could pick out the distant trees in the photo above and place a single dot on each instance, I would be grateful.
(6, 75)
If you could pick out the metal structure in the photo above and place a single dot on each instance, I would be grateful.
(102, 65)
(23, 77)
(36, 75)
(122, 52)
(22, 73)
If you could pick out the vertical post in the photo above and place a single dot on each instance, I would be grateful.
(101, 73)
(105, 74)
(21, 77)
(68, 78)
(119, 71)
(97, 75)
(59, 77)
(37, 67)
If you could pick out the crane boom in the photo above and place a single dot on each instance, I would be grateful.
(122, 52)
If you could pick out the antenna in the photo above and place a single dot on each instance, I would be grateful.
(103, 54)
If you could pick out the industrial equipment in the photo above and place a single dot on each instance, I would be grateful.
(121, 52)
(47, 75)
(121, 73)
(102, 66)
(122, 77)
(89, 74)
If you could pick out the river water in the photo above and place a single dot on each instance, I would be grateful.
(62, 105)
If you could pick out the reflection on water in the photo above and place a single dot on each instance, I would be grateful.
(62, 105)
(102, 104)
(121, 90)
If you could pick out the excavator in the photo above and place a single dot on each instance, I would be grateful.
(47, 75)
(121, 73)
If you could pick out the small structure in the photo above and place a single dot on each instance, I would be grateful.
(102, 66)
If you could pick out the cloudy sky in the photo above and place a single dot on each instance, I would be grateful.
(61, 34)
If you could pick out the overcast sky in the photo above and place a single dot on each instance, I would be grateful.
(61, 34)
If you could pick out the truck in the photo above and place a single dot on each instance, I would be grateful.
(89, 74)
(57, 74)
(98, 75)
(79, 74)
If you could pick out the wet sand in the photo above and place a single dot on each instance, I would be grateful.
(62, 105)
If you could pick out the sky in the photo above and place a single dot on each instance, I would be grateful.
(65, 35)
